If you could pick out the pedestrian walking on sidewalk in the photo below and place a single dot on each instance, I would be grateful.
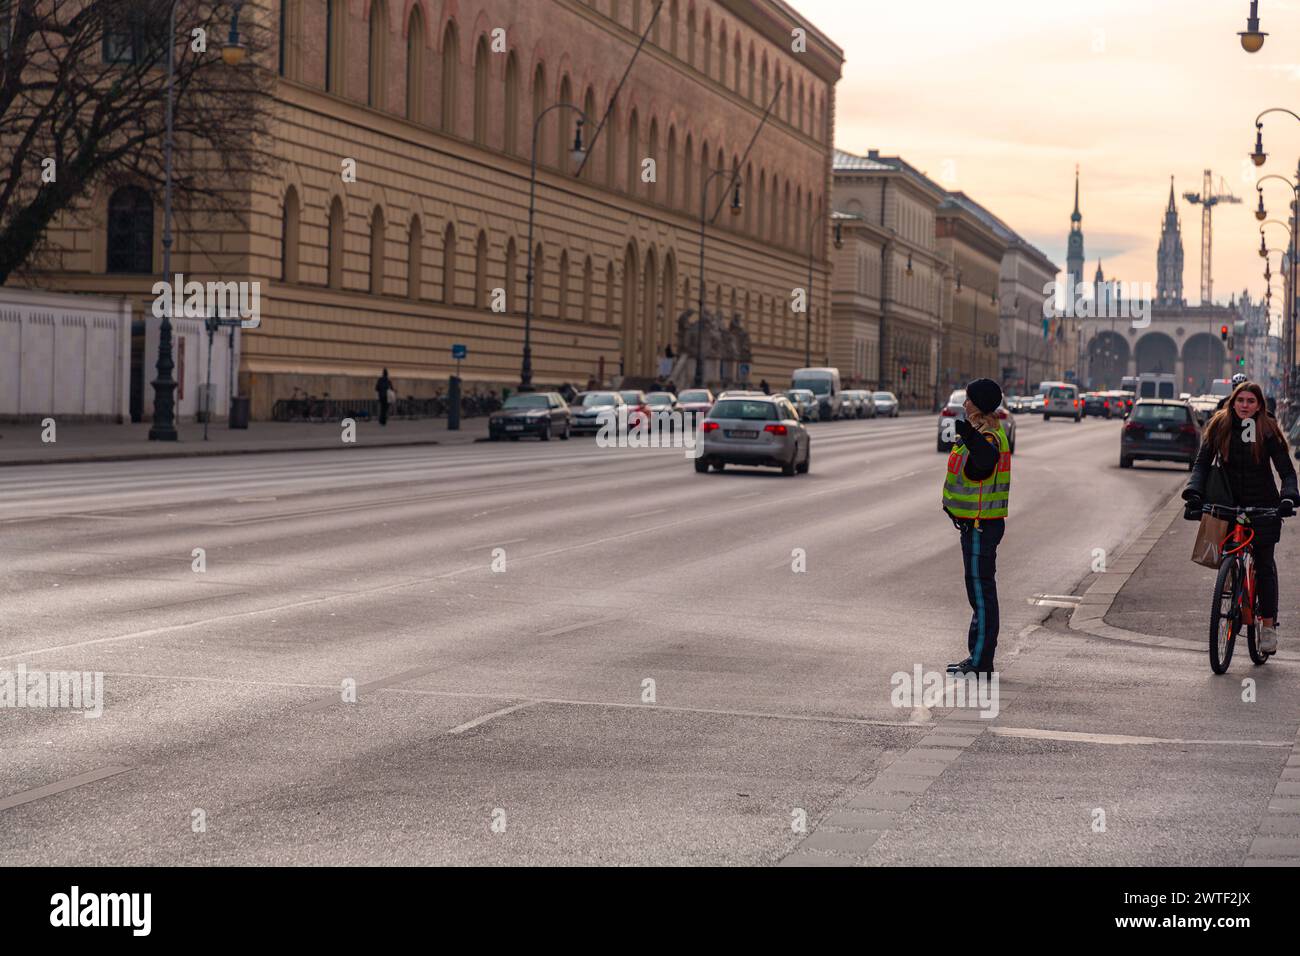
(976, 492)
(1248, 465)
(385, 393)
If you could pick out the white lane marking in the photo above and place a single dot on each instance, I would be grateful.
(479, 721)
(646, 514)
(1033, 733)
(580, 626)
(50, 789)
(751, 494)
(881, 527)
(495, 544)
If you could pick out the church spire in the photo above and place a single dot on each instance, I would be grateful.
(1076, 216)
(1172, 206)
(1074, 247)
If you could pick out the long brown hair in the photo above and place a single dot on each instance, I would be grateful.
(1218, 433)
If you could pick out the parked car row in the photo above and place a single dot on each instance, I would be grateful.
(1107, 404)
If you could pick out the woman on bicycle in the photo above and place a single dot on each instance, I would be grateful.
(1248, 454)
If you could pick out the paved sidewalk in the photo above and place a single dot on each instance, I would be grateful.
(22, 445)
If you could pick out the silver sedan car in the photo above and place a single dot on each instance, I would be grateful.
(760, 430)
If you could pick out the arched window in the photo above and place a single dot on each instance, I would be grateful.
(480, 270)
(801, 113)
(539, 279)
(449, 264)
(587, 278)
(512, 105)
(378, 65)
(564, 285)
(674, 26)
(589, 108)
(336, 16)
(735, 59)
(763, 88)
(748, 193)
(670, 174)
(565, 125)
(633, 155)
(450, 74)
(415, 260)
(651, 187)
(708, 46)
(760, 214)
(722, 53)
(377, 252)
(336, 244)
(688, 175)
(690, 36)
(611, 148)
(609, 294)
(704, 174)
(415, 66)
(751, 72)
(785, 215)
(130, 231)
(539, 106)
(289, 237)
(512, 276)
(481, 61)
(789, 98)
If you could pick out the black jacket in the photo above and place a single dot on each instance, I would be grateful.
(382, 385)
(1251, 482)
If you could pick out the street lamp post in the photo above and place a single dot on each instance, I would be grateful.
(812, 251)
(1251, 39)
(699, 319)
(1289, 325)
(163, 424)
(576, 154)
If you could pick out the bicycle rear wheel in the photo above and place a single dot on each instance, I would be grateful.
(1225, 618)
(1253, 633)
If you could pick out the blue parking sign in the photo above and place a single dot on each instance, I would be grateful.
(459, 351)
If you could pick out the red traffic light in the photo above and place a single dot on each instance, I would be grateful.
(1223, 332)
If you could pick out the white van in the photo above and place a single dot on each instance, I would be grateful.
(825, 384)
(1061, 401)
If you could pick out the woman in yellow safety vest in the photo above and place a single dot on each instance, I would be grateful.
(976, 491)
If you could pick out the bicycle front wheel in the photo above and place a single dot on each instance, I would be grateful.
(1225, 616)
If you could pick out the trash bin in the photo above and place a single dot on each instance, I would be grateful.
(239, 411)
(205, 395)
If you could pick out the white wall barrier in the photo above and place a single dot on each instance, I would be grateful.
(67, 356)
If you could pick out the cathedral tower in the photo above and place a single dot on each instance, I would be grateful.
(1169, 258)
(1074, 249)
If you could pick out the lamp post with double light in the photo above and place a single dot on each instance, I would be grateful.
(576, 154)
(812, 253)
(736, 207)
(1258, 156)
(163, 424)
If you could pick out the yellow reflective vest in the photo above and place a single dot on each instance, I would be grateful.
(978, 499)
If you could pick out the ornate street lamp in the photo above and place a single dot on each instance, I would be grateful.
(736, 207)
(1251, 39)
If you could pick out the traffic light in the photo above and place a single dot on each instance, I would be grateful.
(1241, 360)
(904, 373)
(1223, 333)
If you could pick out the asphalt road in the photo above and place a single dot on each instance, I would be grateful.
(519, 696)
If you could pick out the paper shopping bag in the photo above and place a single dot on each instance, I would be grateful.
(1209, 541)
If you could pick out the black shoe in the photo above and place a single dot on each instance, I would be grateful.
(968, 667)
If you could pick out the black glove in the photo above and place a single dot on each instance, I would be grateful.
(1192, 510)
(1286, 509)
(966, 430)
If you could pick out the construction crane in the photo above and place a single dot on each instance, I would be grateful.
(1207, 199)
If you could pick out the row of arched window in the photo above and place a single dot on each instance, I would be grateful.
(570, 281)
(634, 155)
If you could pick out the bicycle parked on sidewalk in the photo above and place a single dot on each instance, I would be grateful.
(1236, 600)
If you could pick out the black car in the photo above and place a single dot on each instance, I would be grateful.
(1159, 430)
(1095, 403)
(531, 413)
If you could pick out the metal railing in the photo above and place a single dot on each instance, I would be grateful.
(325, 409)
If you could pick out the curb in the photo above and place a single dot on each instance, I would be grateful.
(147, 456)
(1097, 601)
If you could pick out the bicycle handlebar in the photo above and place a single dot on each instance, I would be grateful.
(1232, 511)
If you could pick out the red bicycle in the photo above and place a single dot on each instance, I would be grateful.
(1236, 601)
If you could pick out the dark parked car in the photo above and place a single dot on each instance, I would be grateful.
(1159, 430)
(531, 413)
